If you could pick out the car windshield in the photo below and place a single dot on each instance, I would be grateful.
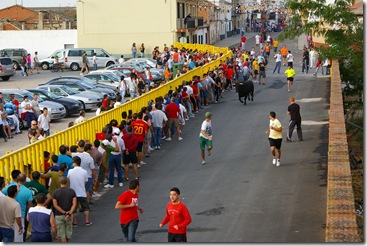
(86, 85)
(88, 80)
(113, 76)
(137, 68)
(68, 90)
(50, 94)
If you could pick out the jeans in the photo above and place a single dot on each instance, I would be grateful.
(16, 121)
(122, 94)
(6, 235)
(132, 93)
(134, 54)
(94, 67)
(129, 230)
(277, 65)
(47, 132)
(305, 65)
(187, 104)
(157, 136)
(29, 117)
(114, 161)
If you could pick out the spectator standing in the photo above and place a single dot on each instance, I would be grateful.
(11, 111)
(94, 61)
(27, 111)
(81, 117)
(44, 122)
(35, 105)
(243, 43)
(9, 215)
(55, 176)
(36, 62)
(63, 157)
(36, 187)
(114, 161)
(262, 72)
(84, 64)
(140, 128)
(78, 178)
(133, 50)
(275, 138)
(29, 63)
(64, 201)
(305, 60)
(160, 119)
(294, 113)
(121, 59)
(128, 203)
(23, 66)
(42, 221)
(278, 62)
(122, 89)
(173, 111)
(142, 50)
(178, 217)
(129, 153)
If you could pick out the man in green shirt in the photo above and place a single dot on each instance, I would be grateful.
(55, 176)
(36, 187)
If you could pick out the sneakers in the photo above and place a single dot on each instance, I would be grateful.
(121, 184)
(164, 137)
(109, 186)
(180, 138)
(127, 179)
(203, 162)
(168, 139)
(289, 140)
(95, 193)
(75, 225)
(150, 148)
(159, 147)
(274, 160)
(278, 163)
(138, 178)
(139, 166)
(142, 163)
(88, 223)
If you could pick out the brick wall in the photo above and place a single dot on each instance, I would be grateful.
(341, 225)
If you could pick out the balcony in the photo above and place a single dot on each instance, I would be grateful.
(192, 24)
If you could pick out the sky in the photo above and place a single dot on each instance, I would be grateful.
(38, 3)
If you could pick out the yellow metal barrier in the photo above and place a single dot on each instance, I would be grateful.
(33, 154)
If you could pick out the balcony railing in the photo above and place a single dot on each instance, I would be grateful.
(191, 23)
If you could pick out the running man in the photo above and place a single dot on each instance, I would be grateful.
(178, 217)
(206, 136)
(290, 76)
(275, 137)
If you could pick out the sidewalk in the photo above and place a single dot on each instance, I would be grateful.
(234, 40)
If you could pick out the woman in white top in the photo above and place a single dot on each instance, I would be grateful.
(290, 58)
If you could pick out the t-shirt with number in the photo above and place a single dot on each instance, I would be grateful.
(140, 128)
(131, 213)
(207, 127)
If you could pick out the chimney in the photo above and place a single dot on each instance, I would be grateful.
(40, 20)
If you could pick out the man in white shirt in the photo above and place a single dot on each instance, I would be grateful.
(81, 117)
(290, 59)
(257, 40)
(78, 178)
(122, 89)
(94, 61)
(121, 60)
(114, 161)
(44, 122)
(159, 120)
(278, 61)
(26, 110)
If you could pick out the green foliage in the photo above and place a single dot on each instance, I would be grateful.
(345, 44)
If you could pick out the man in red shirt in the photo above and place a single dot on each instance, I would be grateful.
(229, 76)
(243, 42)
(173, 111)
(140, 129)
(129, 206)
(129, 155)
(178, 217)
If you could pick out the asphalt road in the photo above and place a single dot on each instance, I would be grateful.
(239, 196)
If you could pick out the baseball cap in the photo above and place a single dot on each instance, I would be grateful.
(116, 131)
(105, 142)
(208, 114)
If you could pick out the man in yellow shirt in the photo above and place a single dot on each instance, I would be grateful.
(275, 137)
(275, 45)
(290, 76)
(255, 66)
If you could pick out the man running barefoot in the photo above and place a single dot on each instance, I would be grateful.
(206, 136)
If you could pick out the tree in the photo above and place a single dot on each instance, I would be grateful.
(340, 27)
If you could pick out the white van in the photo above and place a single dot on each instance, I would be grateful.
(72, 58)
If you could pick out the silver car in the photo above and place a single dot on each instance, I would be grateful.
(89, 101)
(56, 110)
(6, 68)
(104, 78)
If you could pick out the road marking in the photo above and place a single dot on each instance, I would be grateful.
(306, 100)
(314, 123)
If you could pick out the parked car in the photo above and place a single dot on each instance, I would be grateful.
(15, 54)
(149, 61)
(72, 58)
(86, 80)
(88, 101)
(115, 72)
(157, 73)
(122, 67)
(6, 68)
(72, 106)
(105, 78)
(83, 87)
(56, 110)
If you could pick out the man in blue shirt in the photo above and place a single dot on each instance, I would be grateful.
(64, 158)
(11, 111)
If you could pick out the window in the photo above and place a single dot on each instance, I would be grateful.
(100, 53)
(75, 53)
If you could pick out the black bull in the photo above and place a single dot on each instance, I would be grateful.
(245, 89)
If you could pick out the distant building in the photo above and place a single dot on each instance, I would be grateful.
(17, 17)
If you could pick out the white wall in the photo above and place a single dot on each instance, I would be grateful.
(43, 41)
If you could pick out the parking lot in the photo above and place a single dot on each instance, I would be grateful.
(32, 81)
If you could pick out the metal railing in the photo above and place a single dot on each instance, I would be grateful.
(33, 154)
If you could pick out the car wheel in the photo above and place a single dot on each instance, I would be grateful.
(83, 105)
(66, 112)
(74, 66)
(45, 66)
(16, 65)
(110, 63)
(5, 78)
